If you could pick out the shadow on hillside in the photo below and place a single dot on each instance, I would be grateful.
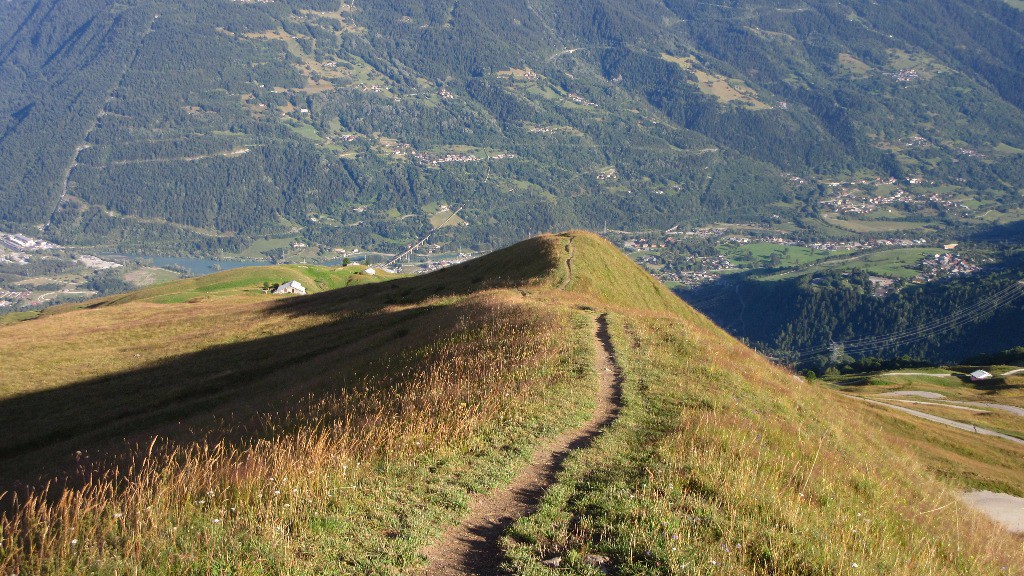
(1010, 232)
(206, 396)
(217, 393)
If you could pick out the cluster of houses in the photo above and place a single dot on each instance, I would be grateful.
(18, 245)
(704, 269)
(641, 244)
(433, 266)
(14, 258)
(904, 75)
(9, 297)
(762, 235)
(862, 245)
(856, 201)
(850, 202)
(429, 159)
(576, 98)
(691, 278)
(943, 265)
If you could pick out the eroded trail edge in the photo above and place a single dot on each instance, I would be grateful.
(472, 547)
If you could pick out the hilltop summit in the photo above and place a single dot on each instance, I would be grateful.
(345, 430)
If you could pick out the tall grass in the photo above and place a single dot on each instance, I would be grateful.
(431, 389)
(722, 463)
(355, 481)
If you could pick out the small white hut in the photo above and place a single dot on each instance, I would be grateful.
(979, 375)
(291, 287)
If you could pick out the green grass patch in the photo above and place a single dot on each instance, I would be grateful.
(439, 218)
(760, 254)
(15, 317)
(306, 131)
(880, 225)
(259, 248)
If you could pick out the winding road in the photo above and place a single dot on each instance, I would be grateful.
(943, 421)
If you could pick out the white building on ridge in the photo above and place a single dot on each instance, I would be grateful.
(291, 287)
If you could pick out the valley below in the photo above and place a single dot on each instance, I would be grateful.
(589, 287)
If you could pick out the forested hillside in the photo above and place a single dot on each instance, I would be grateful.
(202, 126)
(941, 322)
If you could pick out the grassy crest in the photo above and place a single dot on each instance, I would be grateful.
(342, 431)
(724, 463)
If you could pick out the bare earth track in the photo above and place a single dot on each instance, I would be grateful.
(473, 546)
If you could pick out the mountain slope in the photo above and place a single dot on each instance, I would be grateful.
(340, 432)
(208, 125)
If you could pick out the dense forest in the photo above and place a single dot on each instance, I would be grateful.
(797, 320)
(190, 126)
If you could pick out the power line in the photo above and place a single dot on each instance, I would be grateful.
(963, 315)
(1011, 291)
(424, 239)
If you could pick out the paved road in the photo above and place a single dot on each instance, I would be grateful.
(956, 406)
(915, 393)
(1003, 508)
(1015, 410)
(917, 374)
(1005, 408)
(944, 421)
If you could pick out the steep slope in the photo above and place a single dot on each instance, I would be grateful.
(342, 431)
(940, 322)
(205, 125)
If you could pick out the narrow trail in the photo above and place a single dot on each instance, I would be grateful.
(568, 266)
(472, 547)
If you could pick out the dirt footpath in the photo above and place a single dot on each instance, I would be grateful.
(472, 546)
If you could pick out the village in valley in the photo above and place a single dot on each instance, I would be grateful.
(36, 272)
(704, 255)
(866, 196)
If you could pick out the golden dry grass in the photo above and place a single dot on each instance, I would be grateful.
(346, 454)
(337, 433)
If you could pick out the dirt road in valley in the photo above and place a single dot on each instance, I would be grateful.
(472, 547)
(944, 421)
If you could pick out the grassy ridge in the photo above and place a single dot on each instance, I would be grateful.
(353, 477)
(721, 462)
(58, 349)
(238, 282)
(340, 432)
